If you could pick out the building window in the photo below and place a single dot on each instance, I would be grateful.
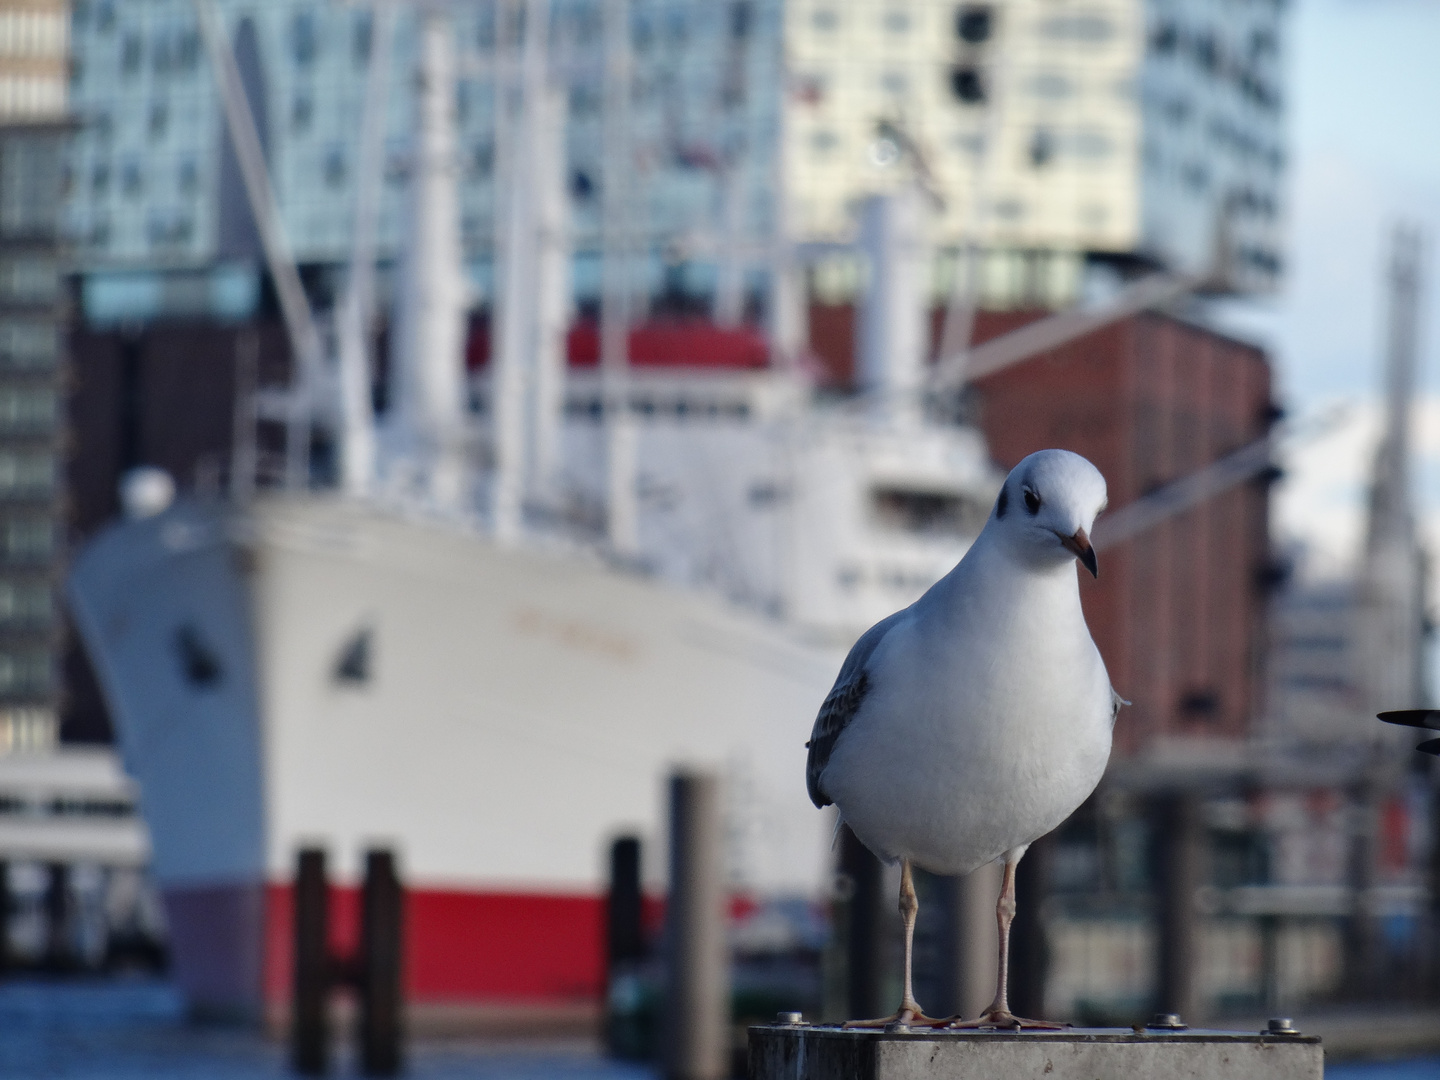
(24, 672)
(188, 177)
(304, 38)
(159, 119)
(29, 281)
(132, 180)
(100, 178)
(926, 513)
(131, 52)
(362, 32)
(974, 24)
(25, 602)
(29, 343)
(28, 539)
(897, 22)
(1052, 86)
(1092, 146)
(1165, 39)
(967, 85)
(1042, 148)
(26, 407)
(26, 473)
(823, 142)
(825, 19)
(1084, 27)
(168, 227)
(894, 82)
(302, 111)
(335, 166)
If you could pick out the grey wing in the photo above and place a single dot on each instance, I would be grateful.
(841, 705)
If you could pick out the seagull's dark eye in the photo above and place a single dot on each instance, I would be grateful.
(1032, 501)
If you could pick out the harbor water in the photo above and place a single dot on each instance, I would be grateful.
(136, 1030)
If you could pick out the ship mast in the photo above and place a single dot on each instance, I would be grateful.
(355, 321)
(532, 302)
(430, 391)
(621, 436)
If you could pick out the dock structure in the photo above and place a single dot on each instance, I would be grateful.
(799, 1051)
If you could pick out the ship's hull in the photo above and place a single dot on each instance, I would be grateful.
(316, 671)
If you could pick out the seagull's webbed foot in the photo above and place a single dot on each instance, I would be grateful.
(908, 1015)
(1003, 1018)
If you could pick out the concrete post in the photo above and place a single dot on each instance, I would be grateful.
(1179, 865)
(696, 1044)
(979, 938)
(865, 947)
(1029, 954)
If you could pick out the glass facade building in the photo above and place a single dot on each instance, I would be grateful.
(33, 314)
(1131, 127)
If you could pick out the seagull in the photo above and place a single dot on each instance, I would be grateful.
(968, 725)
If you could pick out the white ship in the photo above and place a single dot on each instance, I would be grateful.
(441, 659)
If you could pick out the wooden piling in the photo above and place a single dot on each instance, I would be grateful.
(379, 967)
(309, 1033)
(697, 1018)
(1179, 866)
(865, 944)
(59, 919)
(624, 928)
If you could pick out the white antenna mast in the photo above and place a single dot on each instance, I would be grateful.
(356, 314)
(530, 268)
(622, 517)
(430, 410)
(294, 306)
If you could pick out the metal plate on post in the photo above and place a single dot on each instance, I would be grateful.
(790, 1052)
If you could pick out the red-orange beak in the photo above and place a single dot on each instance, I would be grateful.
(1080, 545)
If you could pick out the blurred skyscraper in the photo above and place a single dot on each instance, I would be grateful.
(1133, 128)
(33, 133)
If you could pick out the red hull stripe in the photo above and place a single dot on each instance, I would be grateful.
(466, 946)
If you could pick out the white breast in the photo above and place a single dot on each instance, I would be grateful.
(987, 724)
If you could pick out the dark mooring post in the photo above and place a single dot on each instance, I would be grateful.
(625, 1036)
(865, 949)
(378, 971)
(1179, 848)
(624, 906)
(59, 944)
(6, 907)
(697, 1005)
(310, 1035)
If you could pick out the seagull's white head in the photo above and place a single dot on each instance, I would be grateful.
(1047, 508)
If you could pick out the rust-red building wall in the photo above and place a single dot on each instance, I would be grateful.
(1178, 611)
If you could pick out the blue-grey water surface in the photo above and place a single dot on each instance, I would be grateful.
(136, 1030)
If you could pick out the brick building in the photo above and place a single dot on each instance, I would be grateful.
(1177, 611)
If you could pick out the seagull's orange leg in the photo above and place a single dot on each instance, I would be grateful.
(998, 1015)
(909, 1011)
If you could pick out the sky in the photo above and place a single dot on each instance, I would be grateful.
(1364, 144)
